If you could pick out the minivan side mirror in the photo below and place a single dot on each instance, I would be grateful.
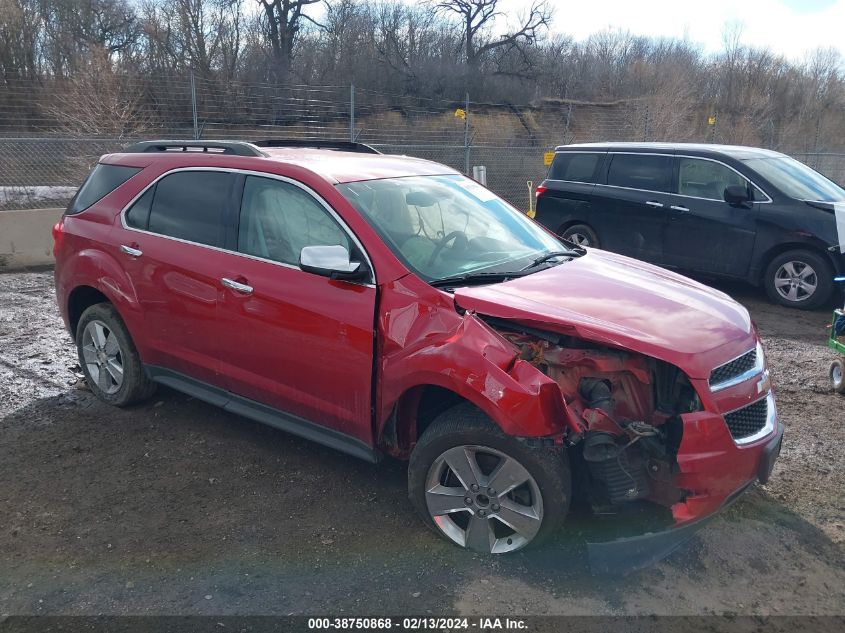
(330, 261)
(736, 195)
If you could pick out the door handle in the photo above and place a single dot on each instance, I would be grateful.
(236, 286)
(132, 252)
(655, 204)
(679, 208)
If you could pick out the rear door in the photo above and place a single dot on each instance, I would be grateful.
(170, 245)
(296, 341)
(703, 232)
(628, 210)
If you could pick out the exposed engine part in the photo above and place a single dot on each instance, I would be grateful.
(628, 406)
(597, 394)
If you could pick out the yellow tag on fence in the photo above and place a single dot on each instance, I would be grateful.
(548, 157)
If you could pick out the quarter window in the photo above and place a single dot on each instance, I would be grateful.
(706, 178)
(138, 216)
(641, 171)
(279, 219)
(189, 205)
(575, 167)
(102, 181)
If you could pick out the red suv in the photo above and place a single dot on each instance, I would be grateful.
(389, 305)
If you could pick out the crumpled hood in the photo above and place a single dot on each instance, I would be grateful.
(624, 302)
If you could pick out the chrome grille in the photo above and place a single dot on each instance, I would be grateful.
(748, 420)
(737, 367)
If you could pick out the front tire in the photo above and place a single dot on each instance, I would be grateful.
(484, 490)
(108, 358)
(799, 279)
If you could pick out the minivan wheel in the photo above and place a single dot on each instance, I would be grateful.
(484, 490)
(108, 358)
(799, 279)
(581, 235)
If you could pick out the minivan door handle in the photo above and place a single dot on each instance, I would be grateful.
(679, 208)
(129, 250)
(655, 204)
(236, 286)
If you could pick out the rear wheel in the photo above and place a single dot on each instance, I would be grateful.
(108, 357)
(581, 235)
(484, 490)
(799, 279)
(837, 375)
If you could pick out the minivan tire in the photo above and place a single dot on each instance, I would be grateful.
(102, 365)
(779, 272)
(583, 234)
(543, 496)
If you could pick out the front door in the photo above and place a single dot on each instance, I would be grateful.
(298, 342)
(703, 232)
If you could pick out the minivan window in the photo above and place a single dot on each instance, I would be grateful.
(189, 205)
(279, 219)
(575, 166)
(651, 172)
(706, 178)
(795, 179)
(102, 181)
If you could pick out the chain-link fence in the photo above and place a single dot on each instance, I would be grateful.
(50, 139)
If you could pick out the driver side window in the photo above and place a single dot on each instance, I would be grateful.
(706, 179)
(279, 219)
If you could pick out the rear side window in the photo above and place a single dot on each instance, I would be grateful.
(641, 171)
(575, 167)
(138, 216)
(190, 205)
(101, 181)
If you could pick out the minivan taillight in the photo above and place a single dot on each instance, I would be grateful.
(540, 190)
(58, 234)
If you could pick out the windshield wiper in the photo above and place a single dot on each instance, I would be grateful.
(490, 277)
(577, 252)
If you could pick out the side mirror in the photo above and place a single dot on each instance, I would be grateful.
(736, 195)
(330, 261)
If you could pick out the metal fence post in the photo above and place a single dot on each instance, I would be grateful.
(352, 113)
(466, 136)
(194, 106)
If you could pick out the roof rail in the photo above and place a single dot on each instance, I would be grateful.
(343, 146)
(237, 148)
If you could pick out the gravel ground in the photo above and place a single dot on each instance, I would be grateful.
(175, 507)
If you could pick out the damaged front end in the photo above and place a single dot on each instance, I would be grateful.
(633, 412)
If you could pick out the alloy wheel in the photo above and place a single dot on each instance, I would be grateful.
(483, 499)
(103, 357)
(579, 239)
(796, 281)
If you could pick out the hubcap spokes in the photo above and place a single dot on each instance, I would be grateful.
(579, 239)
(102, 356)
(483, 500)
(795, 281)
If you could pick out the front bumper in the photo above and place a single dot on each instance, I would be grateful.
(625, 555)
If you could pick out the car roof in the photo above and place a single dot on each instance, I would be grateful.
(332, 165)
(736, 151)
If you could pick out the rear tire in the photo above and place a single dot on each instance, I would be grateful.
(799, 279)
(108, 358)
(484, 490)
(581, 235)
(837, 375)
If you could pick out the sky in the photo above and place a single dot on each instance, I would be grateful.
(789, 27)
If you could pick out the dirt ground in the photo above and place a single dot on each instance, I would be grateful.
(175, 507)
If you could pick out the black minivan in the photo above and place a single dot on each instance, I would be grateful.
(717, 210)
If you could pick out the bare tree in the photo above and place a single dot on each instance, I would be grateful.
(477, 18)
(283, 20)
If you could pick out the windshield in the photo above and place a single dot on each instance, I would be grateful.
(442, 226)
(795, 179)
